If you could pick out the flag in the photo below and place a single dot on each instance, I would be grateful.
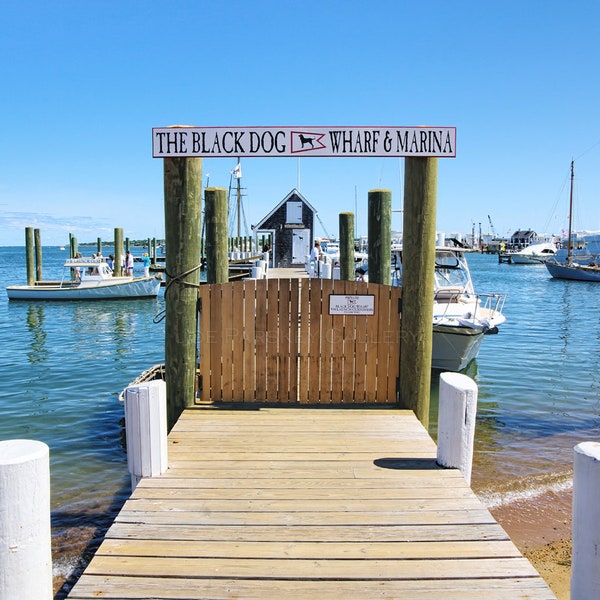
(237, 172)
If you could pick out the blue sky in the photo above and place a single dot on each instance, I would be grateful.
(84, 82)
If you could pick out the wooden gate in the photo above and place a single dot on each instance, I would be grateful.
(276, 341)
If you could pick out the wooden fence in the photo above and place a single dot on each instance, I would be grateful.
(276, 341)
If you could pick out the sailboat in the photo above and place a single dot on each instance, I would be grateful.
(571, 269)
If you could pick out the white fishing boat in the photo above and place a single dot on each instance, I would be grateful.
(534, 254)
(87, 279)
(461, 317)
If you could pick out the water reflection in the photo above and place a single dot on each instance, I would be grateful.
(35, 324)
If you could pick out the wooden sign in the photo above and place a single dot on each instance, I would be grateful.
(220, 142)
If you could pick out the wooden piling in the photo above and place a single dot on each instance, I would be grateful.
(215, 215)
(38, 254)
(418, 265)
(73, 246)
(347, 246)
(118, 262)
(380, 236)
(183, 213)
(29, 255)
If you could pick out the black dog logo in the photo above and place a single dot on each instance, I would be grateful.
(307, 140)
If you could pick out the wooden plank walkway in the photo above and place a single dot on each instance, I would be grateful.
(306, 503)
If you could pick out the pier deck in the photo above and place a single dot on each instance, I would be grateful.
(306, 503)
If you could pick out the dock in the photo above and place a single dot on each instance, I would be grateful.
(320, 503)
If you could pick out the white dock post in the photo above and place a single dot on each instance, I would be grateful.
(25, 538)
(146, 430)
(456, 422)
(585, 563)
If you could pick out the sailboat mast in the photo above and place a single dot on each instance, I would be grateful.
(239, 203)
(570, 212)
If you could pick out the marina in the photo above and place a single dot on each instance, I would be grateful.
(524, 437)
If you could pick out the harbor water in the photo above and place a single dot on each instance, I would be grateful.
(65, 364)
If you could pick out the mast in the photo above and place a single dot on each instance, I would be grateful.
(239, 202)
(570, 213)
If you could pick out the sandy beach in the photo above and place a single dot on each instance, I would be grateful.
(541, 529)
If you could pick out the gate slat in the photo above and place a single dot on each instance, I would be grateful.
(204, 293)
(260, 329)
(216, 341)
(339, 370)
(314, 334)
(348, 349)
(249, 340)
(294, 327)
(284, 347)
(327, 335)
(227, 318)
(371, 349)
(304, 342)
(272, 338)
(237, 376)
(393, 342)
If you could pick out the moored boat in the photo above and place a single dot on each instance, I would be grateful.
(87, 279)
(533, 254)
(461, 317)
(586, 267)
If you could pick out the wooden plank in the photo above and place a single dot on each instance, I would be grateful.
(383, 299)
(260, 326)
(316, 533)
(294, 331)
(314, 334)
(327, 342)
(226, 341)
(353, 570)
(284, 319)
(249, 341)
(361, 345)
(237, 339)
(272, 339)
(304, 343)
(216, 342)
(371, 394)
(132, 587)
(392, 340)
(204, 294)
(372, 550)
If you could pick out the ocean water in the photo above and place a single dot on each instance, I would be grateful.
(65, 363)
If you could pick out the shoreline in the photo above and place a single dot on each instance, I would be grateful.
(540, 527)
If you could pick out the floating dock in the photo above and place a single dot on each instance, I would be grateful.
(323, 503)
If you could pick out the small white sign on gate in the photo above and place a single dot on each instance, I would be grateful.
(342, 304)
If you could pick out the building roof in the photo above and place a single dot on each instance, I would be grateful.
(290, 196)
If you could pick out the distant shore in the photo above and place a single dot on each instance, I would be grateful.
(541, 529)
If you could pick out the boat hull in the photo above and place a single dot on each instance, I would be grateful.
(572, 273)
(144, 287)
(454, 347)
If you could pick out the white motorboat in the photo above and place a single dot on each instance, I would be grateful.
(460, 316)
(534, 254)
(87, 279)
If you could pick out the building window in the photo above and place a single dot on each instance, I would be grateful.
(293, 212)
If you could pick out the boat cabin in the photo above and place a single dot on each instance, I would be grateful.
(86, 271)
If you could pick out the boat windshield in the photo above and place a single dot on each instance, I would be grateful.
(451, 271)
